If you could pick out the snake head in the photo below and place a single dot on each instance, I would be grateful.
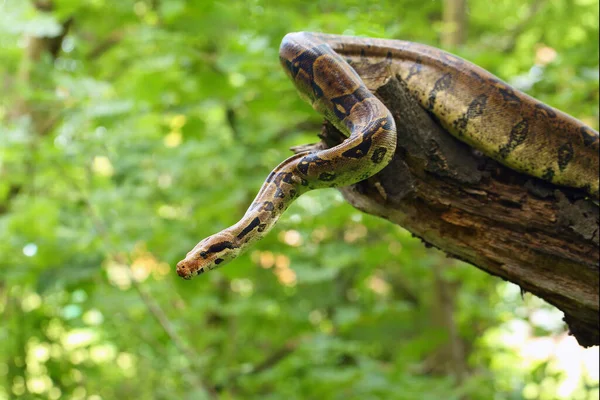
(210, 253)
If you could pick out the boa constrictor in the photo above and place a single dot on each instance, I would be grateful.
(469, 102)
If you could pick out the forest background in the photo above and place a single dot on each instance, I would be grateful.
(130, 130)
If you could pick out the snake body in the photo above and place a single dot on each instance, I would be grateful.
(469, 102)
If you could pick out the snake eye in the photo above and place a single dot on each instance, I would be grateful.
(291, 67)
(287, 65)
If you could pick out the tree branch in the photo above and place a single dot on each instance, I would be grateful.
(273, 359)
(269, 361)
(112, 40)
(539, 236)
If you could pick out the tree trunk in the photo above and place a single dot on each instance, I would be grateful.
(539, 236)
(455, 23)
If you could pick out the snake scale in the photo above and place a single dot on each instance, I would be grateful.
(469, 102)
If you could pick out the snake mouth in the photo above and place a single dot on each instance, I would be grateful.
(183, 270)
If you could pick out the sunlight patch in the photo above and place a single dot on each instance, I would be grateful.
(102, 166)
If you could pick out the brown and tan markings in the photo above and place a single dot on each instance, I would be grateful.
(442, 84)
(517, 135)
(469, 102)
(476, 109)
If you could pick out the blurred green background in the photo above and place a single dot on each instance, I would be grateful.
(130, 130)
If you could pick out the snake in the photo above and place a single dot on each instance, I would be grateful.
(469, 102)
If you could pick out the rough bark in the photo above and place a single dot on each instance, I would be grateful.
(539, 236)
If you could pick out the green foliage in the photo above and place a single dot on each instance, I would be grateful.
(155, 126)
